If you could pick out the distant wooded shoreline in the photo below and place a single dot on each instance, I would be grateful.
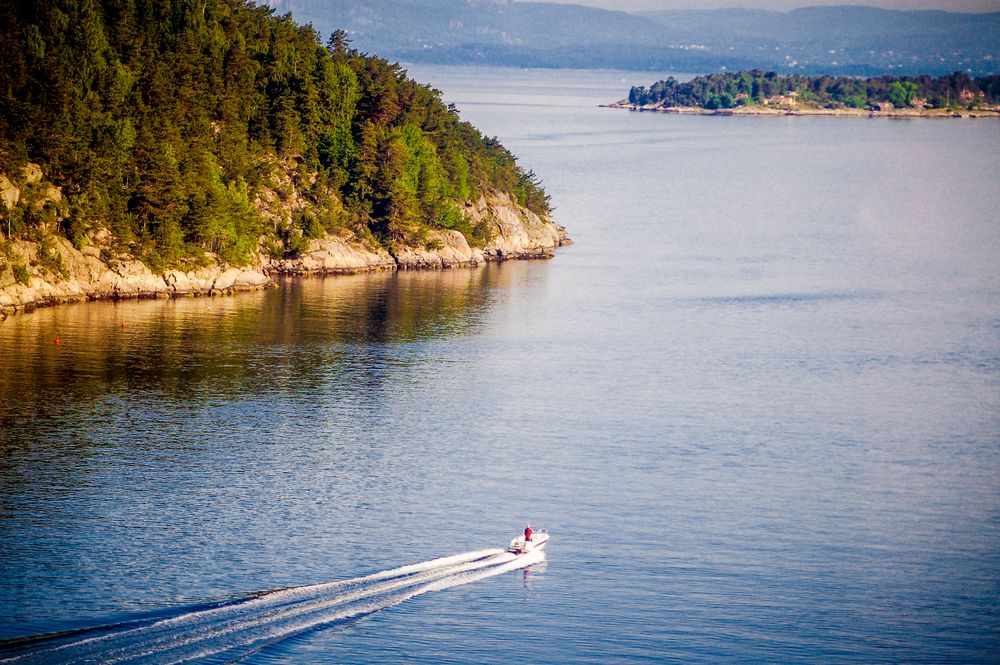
(766, 93)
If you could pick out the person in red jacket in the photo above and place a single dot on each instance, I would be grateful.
(527, 533)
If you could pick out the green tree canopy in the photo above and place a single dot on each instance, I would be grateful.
(754, 87)
(160, 118)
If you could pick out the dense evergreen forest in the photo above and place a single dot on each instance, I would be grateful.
(719, 91)
(161, 119)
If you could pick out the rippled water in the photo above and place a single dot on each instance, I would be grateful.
(757, 405)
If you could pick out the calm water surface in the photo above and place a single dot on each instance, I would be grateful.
(757, 405)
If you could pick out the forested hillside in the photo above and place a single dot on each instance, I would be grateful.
(161, 120)
(722, 91)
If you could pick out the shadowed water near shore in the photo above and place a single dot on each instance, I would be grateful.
(236, 343)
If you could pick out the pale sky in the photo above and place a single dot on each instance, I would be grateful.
(785, 5)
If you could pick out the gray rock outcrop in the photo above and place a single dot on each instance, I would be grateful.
(57, 272)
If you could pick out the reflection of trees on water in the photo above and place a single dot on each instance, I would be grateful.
(313, 336)
(382, 308)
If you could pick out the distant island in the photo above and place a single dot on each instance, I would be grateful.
(764, 93)
(176, 148)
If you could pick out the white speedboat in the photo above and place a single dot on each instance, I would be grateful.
(537, 542)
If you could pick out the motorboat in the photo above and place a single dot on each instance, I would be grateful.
(520, 546)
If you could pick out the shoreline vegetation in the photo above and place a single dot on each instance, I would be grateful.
(153, 149)
(47, 269)
(766, 93)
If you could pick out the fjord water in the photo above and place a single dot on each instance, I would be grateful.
(757, 405)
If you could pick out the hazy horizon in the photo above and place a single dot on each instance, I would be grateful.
(974, 6)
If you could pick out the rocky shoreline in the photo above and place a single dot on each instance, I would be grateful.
(92, 273)
(844, 112)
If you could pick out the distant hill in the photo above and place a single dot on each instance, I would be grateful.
(849, 40)
(830, 40)
(487, 31)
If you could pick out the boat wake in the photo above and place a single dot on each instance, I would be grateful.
(230, 631)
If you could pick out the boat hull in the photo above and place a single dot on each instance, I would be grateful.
(519, 546)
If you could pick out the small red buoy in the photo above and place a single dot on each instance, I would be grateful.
(57, 341)
(123, 325)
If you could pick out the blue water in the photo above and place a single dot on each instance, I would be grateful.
(757, 406)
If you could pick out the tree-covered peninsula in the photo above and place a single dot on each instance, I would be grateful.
(756, 90)
(184, 133)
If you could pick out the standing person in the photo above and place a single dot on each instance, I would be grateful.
(527, 533)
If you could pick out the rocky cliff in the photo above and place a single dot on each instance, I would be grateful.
(47, 269)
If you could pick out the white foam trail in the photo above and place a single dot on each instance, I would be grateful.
(167, 628)
(451, 580)
(249, 625)
(236, 626)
